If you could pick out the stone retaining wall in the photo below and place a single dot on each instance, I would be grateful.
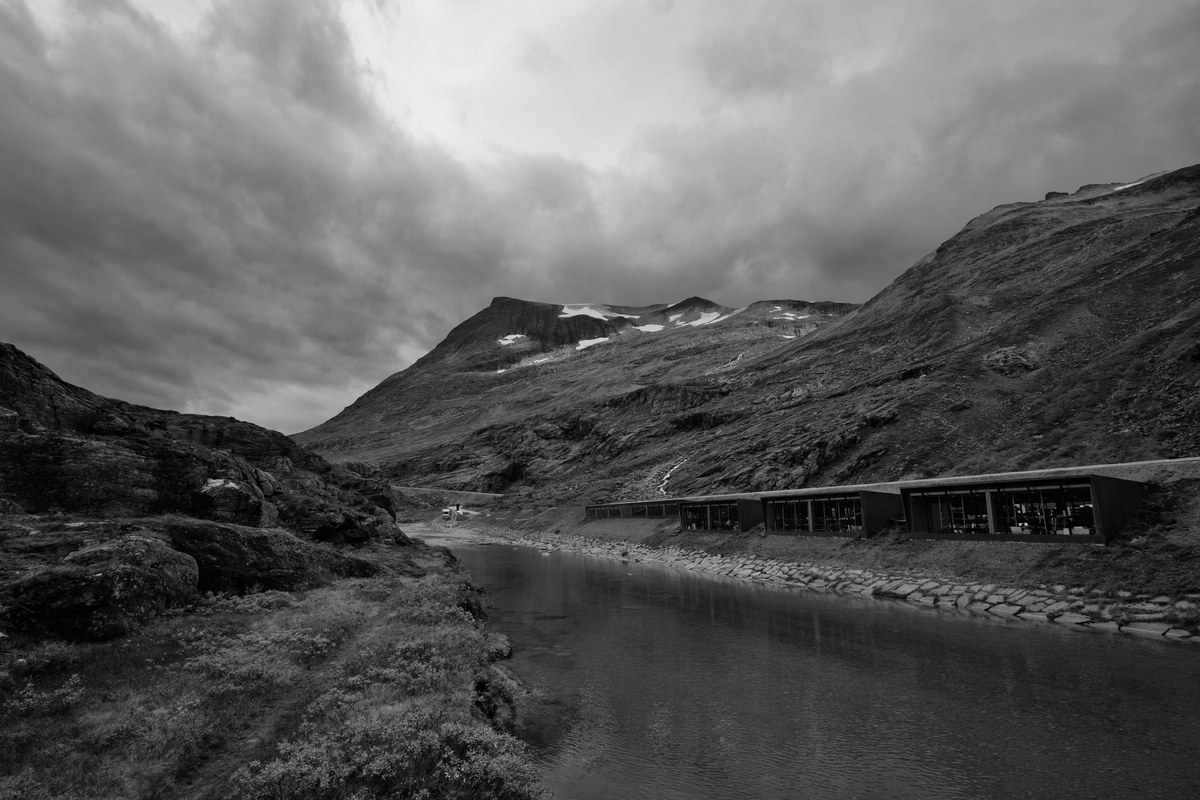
(1069, 606)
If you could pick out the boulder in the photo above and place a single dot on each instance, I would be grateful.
(241, 559)
(102, 591)
(1011, 361)
(232, 501)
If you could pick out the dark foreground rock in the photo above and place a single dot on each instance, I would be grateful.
(102, 590)
(238, 558)
(65, 449)
(98, 579)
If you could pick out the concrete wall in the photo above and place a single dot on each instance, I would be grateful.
(1115, 501)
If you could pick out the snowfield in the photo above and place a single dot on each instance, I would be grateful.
(587, 310)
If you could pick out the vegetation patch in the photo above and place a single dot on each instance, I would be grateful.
(368, 687)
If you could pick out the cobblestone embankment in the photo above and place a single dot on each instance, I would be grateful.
(1152, 617)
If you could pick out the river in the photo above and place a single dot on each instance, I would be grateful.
(652, 682)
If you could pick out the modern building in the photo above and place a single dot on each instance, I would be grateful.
(1077, 504)
(722, 512)
(1046, 505)
(856, 511)
(634, 509)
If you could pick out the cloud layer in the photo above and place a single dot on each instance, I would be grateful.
(235, 219)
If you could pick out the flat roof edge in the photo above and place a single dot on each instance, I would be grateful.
(896, 487)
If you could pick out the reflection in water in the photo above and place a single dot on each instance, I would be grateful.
(664, 684)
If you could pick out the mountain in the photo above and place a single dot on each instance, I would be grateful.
(1050, 333)
(517, 361)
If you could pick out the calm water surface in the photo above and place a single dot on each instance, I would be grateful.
(658, 683)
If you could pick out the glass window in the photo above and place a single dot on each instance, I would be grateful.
(1046, 511)
(837, 514)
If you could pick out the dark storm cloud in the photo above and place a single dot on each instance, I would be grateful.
(195, 222)
(229, 223)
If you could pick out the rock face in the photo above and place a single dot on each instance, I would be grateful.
(100, 579)
(65, 448)
(68, 451)
(102, 590)
(237, 558)
(1044, 334)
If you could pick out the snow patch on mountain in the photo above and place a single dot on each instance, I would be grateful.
(707, 318)
(649, 328)
(510, 338)
(587, 310)
(585, 343)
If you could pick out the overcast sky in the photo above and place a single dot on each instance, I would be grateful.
(262, 208)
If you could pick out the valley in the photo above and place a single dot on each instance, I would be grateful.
(180, 566)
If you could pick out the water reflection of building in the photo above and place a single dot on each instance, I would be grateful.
(1071, 504)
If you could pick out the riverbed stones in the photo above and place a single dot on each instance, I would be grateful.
(1042, 603)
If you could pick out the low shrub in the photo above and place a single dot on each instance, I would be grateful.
(416, 752)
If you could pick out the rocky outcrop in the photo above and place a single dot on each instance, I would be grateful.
(97, 579)
(238, 558)
(63, 448)
(102, 590)
(1010, 361)
(232, 501)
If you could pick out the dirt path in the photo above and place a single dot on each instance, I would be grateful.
(260, 723)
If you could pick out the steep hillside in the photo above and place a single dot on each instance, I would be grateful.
(1046, 333)
(64, 448)
(517, 360)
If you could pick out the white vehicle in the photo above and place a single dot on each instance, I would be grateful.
(447, 513)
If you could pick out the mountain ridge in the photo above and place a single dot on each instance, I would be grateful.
(1041, 334)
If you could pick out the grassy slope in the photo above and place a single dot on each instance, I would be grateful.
(371, 685)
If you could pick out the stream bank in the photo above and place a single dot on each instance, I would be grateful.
(1012, 580)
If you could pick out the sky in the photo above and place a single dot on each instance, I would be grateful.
(263, 208)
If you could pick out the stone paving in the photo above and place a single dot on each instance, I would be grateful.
(1061, 605)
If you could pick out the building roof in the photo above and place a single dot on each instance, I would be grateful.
(894, 487)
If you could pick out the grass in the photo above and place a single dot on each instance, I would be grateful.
(363, 688)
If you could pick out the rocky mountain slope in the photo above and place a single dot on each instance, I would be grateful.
(111, 513)
(518, 365)
(65, 448)
(1058, 332)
